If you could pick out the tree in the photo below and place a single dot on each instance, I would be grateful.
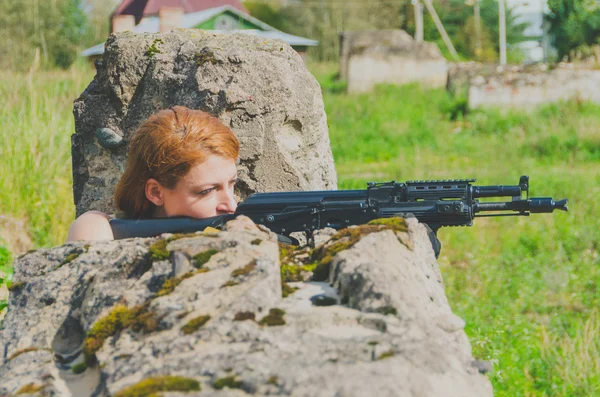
(323, 20)
(459, 23)
(54, 29)
(70, 33)
(574, 25)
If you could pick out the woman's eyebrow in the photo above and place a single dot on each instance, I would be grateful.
(213, 184)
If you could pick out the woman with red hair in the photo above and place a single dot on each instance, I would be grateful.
(181, 162)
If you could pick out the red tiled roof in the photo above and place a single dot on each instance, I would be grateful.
(142, 8)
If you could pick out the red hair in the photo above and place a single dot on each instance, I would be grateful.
(165, 147)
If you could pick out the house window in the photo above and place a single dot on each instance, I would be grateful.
(226, 22)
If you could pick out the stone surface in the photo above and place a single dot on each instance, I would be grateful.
(260, 88)
(368, 58)
(380, 326)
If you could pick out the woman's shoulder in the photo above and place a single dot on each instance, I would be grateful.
(90, 226)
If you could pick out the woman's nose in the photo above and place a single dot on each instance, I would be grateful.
(227, 202)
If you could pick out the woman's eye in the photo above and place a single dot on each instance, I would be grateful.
(204, 192)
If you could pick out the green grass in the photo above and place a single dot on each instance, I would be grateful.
(527, 287)
(36, 123)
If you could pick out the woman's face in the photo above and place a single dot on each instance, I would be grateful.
(206, 191)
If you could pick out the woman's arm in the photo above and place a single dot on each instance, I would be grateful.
(91, 226)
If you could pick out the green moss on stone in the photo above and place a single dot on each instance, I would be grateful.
(79, 368)
(159, 251)
(16, 286)
(178, 236)
(346, 238)
(243, 316)
(118, 319)
(194, 324)
(169, 286)
(244, 270)
(74, 255)
(203, 257)
(387, 310)
(145, 321)
(153, 49)
(139, 319)
(387, 354)
(274, 318)
(230, 283)
(23, 351)
(205, 56)
(228, 381)
(273, 380)
(287, 290)
(151, 386)
(29, 389)
(256, 241)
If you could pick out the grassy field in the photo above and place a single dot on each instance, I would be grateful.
(527, 287)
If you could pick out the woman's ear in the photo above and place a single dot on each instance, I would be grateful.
(154, 192)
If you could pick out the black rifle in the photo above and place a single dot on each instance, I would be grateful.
(436, 203)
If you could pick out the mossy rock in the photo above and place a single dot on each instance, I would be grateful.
(244, 270)
(227, 381)
(153, 49)
(243, 316)
(230, 283)
(346, 238)
(29, 389)
(170, 284)
(152, 386)
(274, 318)
(194, 324)
(23, 351)
(387, 310)
(13, 287)
(159, 251)
(387, 354)
(287, 290)
(202, 258)
(139, 319)
(74, 255)
(205, 56)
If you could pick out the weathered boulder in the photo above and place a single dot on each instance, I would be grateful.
(261, 88)
(204, 314)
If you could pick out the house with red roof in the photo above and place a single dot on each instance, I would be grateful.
(219, 16)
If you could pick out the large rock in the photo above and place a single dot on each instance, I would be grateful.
(261, 88)
(206, 311)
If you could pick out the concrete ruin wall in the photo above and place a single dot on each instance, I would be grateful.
(391, 57)
(524, 87)
(210, 315)
(260, 88)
